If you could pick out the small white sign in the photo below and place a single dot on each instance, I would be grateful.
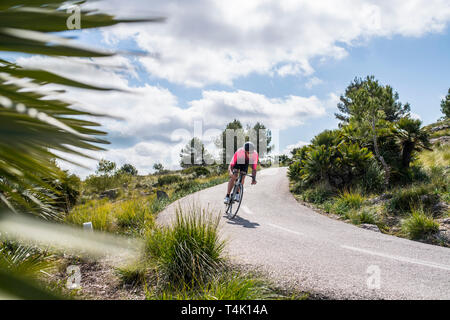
(88, 226)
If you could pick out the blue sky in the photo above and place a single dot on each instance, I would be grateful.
(417, 68)
(282, 63)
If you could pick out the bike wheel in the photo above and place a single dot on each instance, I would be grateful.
(230, 212)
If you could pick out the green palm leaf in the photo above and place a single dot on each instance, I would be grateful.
(33, 126)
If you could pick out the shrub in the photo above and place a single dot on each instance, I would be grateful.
(96, 211)
(317, 164)
(294, 171)
(298, 187)
(351, 162)
(327, 138)
(158, 205)
(230, 285)
(440, 156)
(169, 179)
(362, 216)
(403, 199)
(24, 260)
(133, 214)
(373, 178)
(122, 216)
(128, 169)
(319, 194)
(440, 179)
(197, 171)
(186, 185)
(188, 253)
(67, 188)
(132, 275)
(99, 183)
(347, 201)
(418, 225)
(414, 174)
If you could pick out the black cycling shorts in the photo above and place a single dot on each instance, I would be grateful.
(241, 167)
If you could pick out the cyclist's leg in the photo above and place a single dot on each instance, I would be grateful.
(231, 183)
(243, 171)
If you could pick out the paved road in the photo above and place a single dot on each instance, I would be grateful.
(303, 249)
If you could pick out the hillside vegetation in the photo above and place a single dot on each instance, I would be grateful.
(381, 169)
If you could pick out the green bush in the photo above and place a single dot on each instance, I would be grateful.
(24, 260)
(132, 275)
(197, 171)
(169, 179)
(317, 165)
(362, 216)
(188, 253)
(406, 198)
(298, 187)
(99, 212)
(351, 163)
(440, 179)
(124, 216)
(418, 225)
(407, 176)
(347, 201)
(318, 194)
(186, 185)
(230, 285)
(372, 179)
(96, 184)
(294, 171)
(133, 214)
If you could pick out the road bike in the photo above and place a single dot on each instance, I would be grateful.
(237, 204)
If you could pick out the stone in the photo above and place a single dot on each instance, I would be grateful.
(110, 194)
(371, 227)
(382, 198)
(160, 195)
(441, 140)
(439, 128)
(440, 207)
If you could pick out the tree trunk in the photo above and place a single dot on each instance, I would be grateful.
(387, 170)
(408, 148)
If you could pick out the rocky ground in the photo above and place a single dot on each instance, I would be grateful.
(99, 281)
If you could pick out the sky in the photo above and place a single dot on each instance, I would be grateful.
(283, 63)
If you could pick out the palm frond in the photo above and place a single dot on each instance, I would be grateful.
(33, 126)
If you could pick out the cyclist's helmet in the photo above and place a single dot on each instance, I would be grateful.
(249, 147)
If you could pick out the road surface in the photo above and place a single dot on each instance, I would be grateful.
(302, 249)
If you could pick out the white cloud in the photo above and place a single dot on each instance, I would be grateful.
(289, 148)
(210, 42)
(314, 81)
(206, 42)
(147, 123)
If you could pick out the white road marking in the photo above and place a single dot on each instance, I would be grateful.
(284, 229)
(398, 258)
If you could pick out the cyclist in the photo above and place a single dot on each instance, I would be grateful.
(241, 160)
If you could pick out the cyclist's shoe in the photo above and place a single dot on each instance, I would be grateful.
(237, 197)
(226, 200)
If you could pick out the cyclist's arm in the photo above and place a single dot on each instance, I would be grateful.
(255, 166)
(232, 164)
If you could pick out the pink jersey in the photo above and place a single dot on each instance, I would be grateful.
(241, 158)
